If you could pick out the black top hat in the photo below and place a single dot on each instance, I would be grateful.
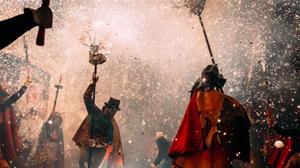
(113, 103)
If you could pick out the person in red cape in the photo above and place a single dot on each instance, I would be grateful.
(214, 129)
(287, 151)
(9, 140)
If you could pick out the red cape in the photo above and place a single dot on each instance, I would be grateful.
(189, 137)
(280, 156)
(10, 142)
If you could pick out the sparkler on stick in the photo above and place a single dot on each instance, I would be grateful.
(96, 57)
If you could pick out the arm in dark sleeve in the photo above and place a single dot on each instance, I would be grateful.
(88, 99)
(13, 28)
(158, 158)
(12, 99)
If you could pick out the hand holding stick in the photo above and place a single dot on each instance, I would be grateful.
(95, 78)
(28, 80)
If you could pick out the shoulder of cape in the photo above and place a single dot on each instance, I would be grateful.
(234, 101)
(114, 122)
(240, 109)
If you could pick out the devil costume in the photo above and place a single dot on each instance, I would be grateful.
(291, 138)
(50, 148)
(9, 140)
(215, 127)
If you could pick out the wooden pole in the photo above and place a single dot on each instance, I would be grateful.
(207, 42)
(92, 124)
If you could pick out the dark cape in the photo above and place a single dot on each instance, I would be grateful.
(116, 155)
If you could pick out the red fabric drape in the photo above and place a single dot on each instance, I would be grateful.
(189, 137)
(280, 156)
(10, 141)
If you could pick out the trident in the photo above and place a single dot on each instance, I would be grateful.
(58, 87)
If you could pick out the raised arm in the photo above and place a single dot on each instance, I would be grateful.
(14, 27)
(12, 99)
(88, 99)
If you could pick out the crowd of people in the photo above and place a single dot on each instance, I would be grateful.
(214, 130)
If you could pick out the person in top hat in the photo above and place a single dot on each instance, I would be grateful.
(9, 139)
(215, 127)
(163, 146)
(105, 131)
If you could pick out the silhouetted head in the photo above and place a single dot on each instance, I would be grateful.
(111, 107)
(210, 79)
